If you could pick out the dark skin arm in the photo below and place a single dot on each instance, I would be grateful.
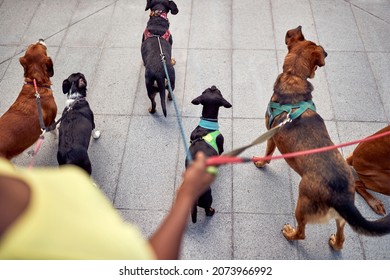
(167, 239)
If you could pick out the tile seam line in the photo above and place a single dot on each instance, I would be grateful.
(366, 11)
(232, 255)
(61, 30)
(370, 66)
(17, 45)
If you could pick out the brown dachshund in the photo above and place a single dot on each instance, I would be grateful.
(19, 126)
(371, 161)
(326, 189)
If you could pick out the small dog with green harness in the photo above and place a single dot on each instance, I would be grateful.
(207, 138)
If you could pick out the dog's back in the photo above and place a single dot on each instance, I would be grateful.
(19, 125)
(74, 136)
(76, 125)
(157, 41)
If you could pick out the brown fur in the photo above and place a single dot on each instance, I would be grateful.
(19, 126)
(371, 161)
(326, 189)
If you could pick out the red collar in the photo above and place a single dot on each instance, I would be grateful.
(148, 34)
(158, 13)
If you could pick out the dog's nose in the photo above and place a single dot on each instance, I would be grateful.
(42, 42)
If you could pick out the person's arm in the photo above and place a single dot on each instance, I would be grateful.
(167, 239)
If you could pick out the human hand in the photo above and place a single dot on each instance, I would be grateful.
(196, 178)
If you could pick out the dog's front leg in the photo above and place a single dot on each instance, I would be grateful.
(271, 146)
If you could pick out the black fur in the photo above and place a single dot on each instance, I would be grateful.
(76, 126)
(211, 99)
(151, 54)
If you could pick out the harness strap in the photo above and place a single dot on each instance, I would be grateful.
(211, 139)
(275, 109)
(148, 34)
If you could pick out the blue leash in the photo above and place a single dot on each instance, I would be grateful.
(178, 118)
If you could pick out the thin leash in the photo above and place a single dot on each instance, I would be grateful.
(215, 160)
(178, 118)
(41, 123)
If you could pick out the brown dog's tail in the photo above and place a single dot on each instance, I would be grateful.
(358, 223)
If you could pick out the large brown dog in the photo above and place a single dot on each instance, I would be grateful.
(19, 126)
(371, 161)
(326, 189)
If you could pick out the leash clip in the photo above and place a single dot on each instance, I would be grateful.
(287, 120)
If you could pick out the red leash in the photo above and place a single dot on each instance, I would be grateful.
(38, 146)
(219, 160)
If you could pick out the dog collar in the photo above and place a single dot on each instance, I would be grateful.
(208, 124)
(158, 13)
(275, 109)
(31, 83)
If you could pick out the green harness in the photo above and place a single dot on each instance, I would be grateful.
(275, 109)
(211, 139)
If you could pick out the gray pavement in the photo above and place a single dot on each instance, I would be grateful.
(237, 45)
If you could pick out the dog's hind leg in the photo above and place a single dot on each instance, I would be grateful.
(172, 79)
(151, 94)
(376, 205)
(336, 241)
(289, 232)
(205, 201)
(271, 146)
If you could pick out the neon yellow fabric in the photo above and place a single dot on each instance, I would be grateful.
(211, 139)
(68, 218)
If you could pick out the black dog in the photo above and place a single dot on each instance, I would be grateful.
(207, 138)
(76, 125)
(155, 35)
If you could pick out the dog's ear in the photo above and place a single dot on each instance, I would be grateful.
(66, 86)
(173, 8)
(23, 62)
(293, 36)
(226, 103)
(49, 67)
(148, 4)
(197, 100)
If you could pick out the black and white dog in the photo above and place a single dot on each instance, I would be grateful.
(76, 125)
(207, 138)
(155, 35)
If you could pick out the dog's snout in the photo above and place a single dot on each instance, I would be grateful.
(42, 42)
(325, 53)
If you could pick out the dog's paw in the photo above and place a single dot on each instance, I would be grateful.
(210, 212)
(288, 231)
(169, 96)
(333, 242)
(96, 134)
(173, 61)
(377, 206)
(260, 163)
(151, 110)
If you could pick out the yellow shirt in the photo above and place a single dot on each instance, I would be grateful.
(68, 218)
